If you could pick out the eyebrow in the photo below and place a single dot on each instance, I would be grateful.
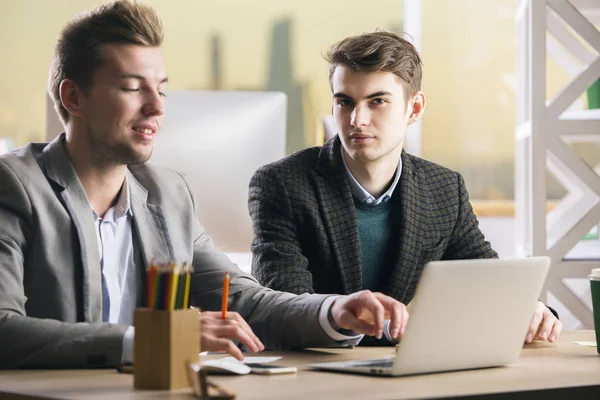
(370, 96)
(139, 77)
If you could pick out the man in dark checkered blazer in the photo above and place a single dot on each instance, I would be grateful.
(359, 212)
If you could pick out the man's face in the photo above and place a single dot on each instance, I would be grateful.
(371, 114)
(124, 106)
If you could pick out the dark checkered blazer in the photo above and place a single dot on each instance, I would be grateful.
(306, 228)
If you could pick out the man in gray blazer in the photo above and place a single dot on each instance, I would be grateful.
(359, 212)
(81, 217)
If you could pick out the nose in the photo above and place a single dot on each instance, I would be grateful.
(360, 116)
(154, 105)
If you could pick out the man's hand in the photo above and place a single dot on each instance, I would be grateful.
(543, 325)
(216, 334)
(364, 312)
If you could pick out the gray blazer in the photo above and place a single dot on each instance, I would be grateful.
(50, 277)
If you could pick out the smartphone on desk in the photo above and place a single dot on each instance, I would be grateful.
(268, 369)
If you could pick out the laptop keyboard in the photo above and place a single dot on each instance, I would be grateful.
(382, 363)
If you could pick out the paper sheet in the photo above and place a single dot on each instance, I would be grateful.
(224, 366)
(586, 344)
(230, 365)
(252, 360)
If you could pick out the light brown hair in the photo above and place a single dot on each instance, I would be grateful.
(378, 51)
(77, 55)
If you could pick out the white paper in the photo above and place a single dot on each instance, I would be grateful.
(586, 344)
(231, 365)
(225, 365)
(252, 360)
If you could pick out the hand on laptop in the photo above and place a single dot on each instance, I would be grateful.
(216, 334)
(544, 325)
(364, 312)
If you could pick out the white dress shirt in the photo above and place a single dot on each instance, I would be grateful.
(361, 194)
(121, 276)
(119, 272)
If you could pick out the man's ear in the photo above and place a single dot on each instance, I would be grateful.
(71, 97)
(417, 108)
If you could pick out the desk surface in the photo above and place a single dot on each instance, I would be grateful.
(564, 366)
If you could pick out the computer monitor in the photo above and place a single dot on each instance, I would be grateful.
(216, 140)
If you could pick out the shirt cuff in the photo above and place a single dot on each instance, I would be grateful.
(127, 354)
(332, 333)
(386, 332)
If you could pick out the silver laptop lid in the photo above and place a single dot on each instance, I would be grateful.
(470, 314)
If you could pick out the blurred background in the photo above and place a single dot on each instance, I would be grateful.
(468, 49)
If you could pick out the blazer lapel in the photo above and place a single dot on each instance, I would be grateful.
(150, 225)
(408, 244)
(59, 169)
(339, 214)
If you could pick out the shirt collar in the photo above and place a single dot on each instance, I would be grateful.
(360, 193)
(123, 205)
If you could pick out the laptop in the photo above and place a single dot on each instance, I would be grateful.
(466, 314)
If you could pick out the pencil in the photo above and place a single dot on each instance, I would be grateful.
(150, 279)
(158, 290)
(186, 294)
(180, 289)
(225, 296)
(173, 289)
(164, 305)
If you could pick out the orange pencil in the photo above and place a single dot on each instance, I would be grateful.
(150, 288)
(225, 296)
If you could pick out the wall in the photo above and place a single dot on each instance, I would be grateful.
(500, 232)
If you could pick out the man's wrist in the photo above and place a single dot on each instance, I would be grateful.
(331, 319)
(348, 332)
(334, 334)
(336, 327)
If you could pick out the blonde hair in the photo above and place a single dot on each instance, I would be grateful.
(77, 55)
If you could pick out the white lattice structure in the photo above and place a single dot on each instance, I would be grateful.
(544, 126)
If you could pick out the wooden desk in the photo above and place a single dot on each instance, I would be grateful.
(544, 371)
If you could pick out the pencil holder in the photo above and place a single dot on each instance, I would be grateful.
(164, 342)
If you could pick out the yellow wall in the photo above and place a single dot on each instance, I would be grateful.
(469, 55)
(468, 52)
(29, 29)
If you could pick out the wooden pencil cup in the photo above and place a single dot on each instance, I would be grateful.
(164, 342)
